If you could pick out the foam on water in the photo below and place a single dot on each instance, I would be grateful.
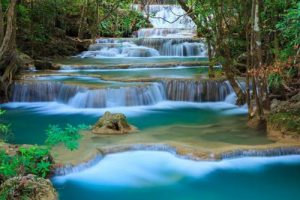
(53, 108)
(147, 168)
(67, 68)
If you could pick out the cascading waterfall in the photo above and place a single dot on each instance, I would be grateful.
(172, 35)
(197, 91)
(164, 17)
(43, 91)
(146, 94)
(146, 47)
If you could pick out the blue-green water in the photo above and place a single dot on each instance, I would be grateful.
(141, 73)
(157, 175)
(128, 61)
(30, 120)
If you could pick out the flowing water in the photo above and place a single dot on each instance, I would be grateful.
(157, 175)
(153, 79)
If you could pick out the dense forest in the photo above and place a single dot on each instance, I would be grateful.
(256, 43)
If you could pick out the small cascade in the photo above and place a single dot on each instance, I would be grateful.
(69, 169)
(146, 47)
(172, 35)
(118, 48)
(114, 97)
(168, 17)
(146, 94)
(43, 91)
(280, 151)
(165, 33)
(197, 91)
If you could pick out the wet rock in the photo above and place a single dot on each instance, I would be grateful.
(45, 65)
(113, 124)
(28, 187)
(26, 60)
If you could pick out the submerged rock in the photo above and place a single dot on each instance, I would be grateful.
(28, 187)
(113, 124)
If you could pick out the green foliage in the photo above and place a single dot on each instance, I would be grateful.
(288, 120)
(46, 24)
(69, 136)
(122, 25)
(28, 160)
(275, 80)
(4, 128)
(290, 29)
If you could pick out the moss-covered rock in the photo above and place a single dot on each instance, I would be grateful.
(113, 124)
(27, 187)
(284, 118)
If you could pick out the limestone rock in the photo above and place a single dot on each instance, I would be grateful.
(29, 186)
(296, 97)
(44, 65)
(113, 124)
(26, 60)
(285, 106)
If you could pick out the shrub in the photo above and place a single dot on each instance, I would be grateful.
(69, 136)
(4, 128)
(28, 160)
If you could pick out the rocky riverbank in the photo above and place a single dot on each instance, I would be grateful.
(284, 119)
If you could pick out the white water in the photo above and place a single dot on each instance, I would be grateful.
(139, 95)
(148, 168)
(146, 47)
(169, 21)
(171, 35)
(54, 108)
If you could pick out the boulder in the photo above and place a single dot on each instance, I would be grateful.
(296, 97)
(113, 124)
(26, 60)
(44, 65)
(28, 187)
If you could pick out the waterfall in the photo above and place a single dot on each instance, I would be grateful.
(43, 91)
(168, 21)
(172, 35)
(145, 94)
(146, 47)
(197, 91)
(114, 97)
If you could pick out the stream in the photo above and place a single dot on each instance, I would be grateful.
(167, 99)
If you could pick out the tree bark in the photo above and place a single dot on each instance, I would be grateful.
(82, 24)
(258, 83)
(9, 40)
(9, 61)
(1, 24)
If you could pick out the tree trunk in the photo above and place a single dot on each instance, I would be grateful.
(259, 90)
(9, 61)
(9, 41)
(1, 24)
(82, 24)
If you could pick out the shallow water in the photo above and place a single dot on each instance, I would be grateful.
(128, 61)
(163, 121)
(141, 73)
(159, 175)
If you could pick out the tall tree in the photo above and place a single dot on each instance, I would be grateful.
(211, 18)
(9, 61)
(1, 23)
